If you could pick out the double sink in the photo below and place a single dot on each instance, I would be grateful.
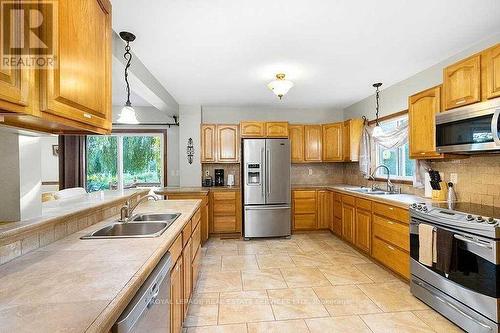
(138, 226)
(368, 190)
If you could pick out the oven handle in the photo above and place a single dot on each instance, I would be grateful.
(452, 306)
(494, 126)
(467, 240)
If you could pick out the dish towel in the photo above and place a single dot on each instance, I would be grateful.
(427, 244)
(446, 251)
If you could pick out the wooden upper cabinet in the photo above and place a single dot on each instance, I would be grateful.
(312, 143)
(422, 110)
(208, 143)
(228, 148)
(253, 129)
(297, 143)
(79, 89)
(351, 134)
(277, 129)
(492, 67)
(332, 142)
(462, 82)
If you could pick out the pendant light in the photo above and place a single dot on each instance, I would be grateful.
(127, 114)
(280, 86)
(377, 131)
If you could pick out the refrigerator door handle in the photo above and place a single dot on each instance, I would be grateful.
(268, 171)
(263, 182)
(267, 207)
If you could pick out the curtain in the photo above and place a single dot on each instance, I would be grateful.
(71, 161)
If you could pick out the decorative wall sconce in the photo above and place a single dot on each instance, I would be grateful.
(190, 151)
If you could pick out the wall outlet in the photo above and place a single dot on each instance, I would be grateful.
(454, 178)
(310, 171)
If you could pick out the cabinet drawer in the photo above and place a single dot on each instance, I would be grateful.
(304, 206)
(337, 209)
(186, 233)
(196, 240)
(347, 199)
(392, 232)
(196, 218)
(224, 195)
(304, 194)
(224, 223)
(391, 212)
(176, 248)
(196, 266)
(392, 257)
(304, 221)
(224, 208)
(364, 204)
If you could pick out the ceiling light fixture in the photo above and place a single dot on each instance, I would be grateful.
(377, 131)
(280, 86)
(127, 115)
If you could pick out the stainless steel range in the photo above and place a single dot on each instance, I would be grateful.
(466, 290)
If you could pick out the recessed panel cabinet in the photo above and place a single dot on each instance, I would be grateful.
(253, 129)
(332, 142)
(208, 144)
(462, 82)
(277, 129)
(312, 143)
(351, 137)
(348, 218)
(220, 143)
(492, 64)
(297, 143)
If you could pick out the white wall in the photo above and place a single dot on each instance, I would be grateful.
(50, 163)
(190, 120)
(395, 98)
(233, 115)
(30, 171)
(173, 178)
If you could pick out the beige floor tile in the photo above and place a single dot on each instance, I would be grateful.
(274, 261)
(337, 325)
(241, 328)
(310, 246)
(288, 326)
(344, 274)
(395, 322)
(283, 246)
(253, 248)
(219, 282)
(310, 259)
(237, 263)
(392, 296)
(296, 304)
(437, 322)
(297, 277)
(222, 250)
(211, 263)
(345, 300)
(263, 279)
(244, 306)
(376, 272)
(203, 310)
(345, 258)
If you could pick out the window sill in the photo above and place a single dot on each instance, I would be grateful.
(395, 181)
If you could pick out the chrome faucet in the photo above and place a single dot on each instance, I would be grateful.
(390, 185)
(126, 211)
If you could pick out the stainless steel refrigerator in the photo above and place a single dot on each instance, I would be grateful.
(266, 188)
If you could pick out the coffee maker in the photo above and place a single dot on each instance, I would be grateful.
(219, 177)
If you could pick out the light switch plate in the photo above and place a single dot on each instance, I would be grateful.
(310, 171)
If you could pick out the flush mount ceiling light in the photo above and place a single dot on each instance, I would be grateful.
(377, 131)
(280, 86)
(127, 114)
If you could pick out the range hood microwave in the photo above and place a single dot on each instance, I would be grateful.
(469, 129)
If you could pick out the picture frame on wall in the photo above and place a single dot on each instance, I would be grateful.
(55, 150)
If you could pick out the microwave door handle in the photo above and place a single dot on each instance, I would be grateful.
(494, 127)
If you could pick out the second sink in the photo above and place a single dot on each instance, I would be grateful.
(130, 230)
(155, 217)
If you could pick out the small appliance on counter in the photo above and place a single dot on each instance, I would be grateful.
(230, 180)
(207, 180)
(219, 177)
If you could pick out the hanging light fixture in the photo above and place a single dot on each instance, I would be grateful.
(280, 86)
(127, 114)
(377, 131)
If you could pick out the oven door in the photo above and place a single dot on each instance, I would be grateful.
(468, 129)
(475, 267)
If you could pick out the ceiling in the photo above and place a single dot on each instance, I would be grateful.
(223, 53)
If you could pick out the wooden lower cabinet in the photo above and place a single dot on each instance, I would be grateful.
(362, 229)
(226, 211)
(325, 209)
(187, 275)
(176, 297)
(348, 219)
(304, 210)
(392, 257)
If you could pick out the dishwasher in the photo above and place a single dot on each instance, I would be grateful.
(149, 310)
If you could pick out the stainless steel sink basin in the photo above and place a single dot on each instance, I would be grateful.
(155, 217)
(367, 190)
(130, 230)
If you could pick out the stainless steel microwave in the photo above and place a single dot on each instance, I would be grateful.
(469, 129)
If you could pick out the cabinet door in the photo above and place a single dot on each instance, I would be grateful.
(277, 129)
(352, 131)
(252, 129)
(187, 274)
(348, 215)
(363, 223)
(312, 143)
(204, 221)
(332, 142)
(337, 218)
(322, 209)
(176, 295)
(79, 88)
(228, 147)
(297, 143)
(462, 83)
(422, 110)
(493, 72)
(208, 144)
(346, 141)
(304, 206)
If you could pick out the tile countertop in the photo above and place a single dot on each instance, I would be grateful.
(174, 189)
(400, 200)
(60, 209)
(76, 285)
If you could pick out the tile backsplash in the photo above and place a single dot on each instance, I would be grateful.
(317, 173)
(229, 168)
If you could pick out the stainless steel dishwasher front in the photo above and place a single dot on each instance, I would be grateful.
(149, 310)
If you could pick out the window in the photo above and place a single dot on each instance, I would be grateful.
(396, 159)
(124, 161)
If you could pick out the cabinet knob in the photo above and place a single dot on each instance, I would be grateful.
(87, 115)
(460, 101)
(390, 247)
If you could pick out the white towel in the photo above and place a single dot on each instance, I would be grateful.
(427, 241)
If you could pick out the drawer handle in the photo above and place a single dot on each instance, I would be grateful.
(86, 115)
(390, 208)
(390, 247)
(389, 222)
(460, 101)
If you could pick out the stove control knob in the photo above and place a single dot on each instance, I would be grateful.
(413, 205)
(419, 207)
(479, 219)
(469, 217)
(491, 220)
(424, 209)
